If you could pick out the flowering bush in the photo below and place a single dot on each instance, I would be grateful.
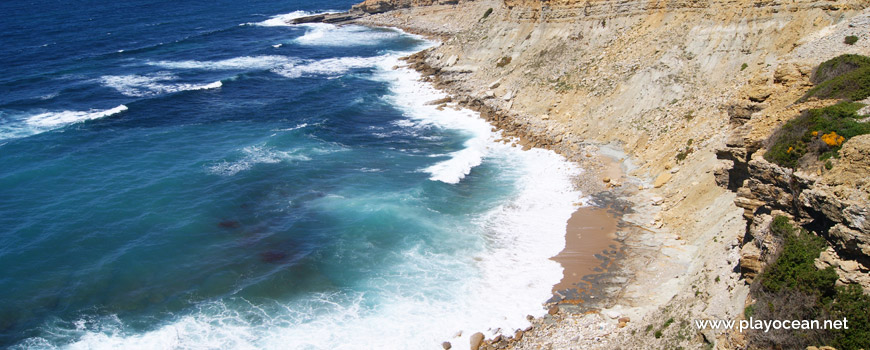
(832, 139)
(836, 124)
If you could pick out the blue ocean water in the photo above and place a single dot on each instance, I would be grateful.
(200, 175)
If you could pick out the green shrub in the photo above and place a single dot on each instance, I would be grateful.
(743, 67)
(850, 40)
(845, 77)
(838, 66)
(853, 305)
(805, 133)
(658, 334)
(749, 311)
(487, 13)
(793, 288)
(794, 268)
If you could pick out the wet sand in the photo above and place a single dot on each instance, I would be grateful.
(590, 231)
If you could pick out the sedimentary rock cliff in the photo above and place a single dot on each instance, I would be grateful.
(690, 90)
(378, 6)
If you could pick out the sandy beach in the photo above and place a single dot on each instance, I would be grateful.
(590, 233)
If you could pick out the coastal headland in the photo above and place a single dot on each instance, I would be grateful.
(669, 107)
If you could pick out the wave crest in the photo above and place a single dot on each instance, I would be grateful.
(46, 121)
(142, 86)
(237, 63)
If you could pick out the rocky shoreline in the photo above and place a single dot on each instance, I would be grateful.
(665, 107)
(592, 304)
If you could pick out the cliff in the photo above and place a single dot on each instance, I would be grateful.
(690, 90)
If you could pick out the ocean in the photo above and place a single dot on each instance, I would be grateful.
(201, 175)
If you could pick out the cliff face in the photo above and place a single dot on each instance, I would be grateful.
(689, 89)
(378, 6)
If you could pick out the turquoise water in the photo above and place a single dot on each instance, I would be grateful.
(199, 177)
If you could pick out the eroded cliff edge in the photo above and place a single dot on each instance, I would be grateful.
(689, 90)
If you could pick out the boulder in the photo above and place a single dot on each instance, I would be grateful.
(759, 93)
(476, 340)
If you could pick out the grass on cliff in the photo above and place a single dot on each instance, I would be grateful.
(820, 132)
(842, 77)
(792, 288)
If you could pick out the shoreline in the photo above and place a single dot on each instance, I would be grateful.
(595, 249)
(594, 286)
(578, 80)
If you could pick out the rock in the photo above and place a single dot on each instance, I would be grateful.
(613, 314)
(740, 112)
(519, 335)
(709, 336)
(508, 96)
(657, 201)
(476, 340)
(812, 348)
(851, 241)
(545, 117)
(621, 325)
(750, 261)
(786, 73)
(827, 348)
(440, 101)
(662, 179)
(624, 319)
(759, 93)
(553, 310)
(451, 60)
(446, 345)
(606, 179)
(490, 94)
(495, 84)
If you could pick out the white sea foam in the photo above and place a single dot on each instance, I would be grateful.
(499, 272)
(150, 85)
(55, 119)
(27, 125)
(237, 63)
(329, 66)
(284, 20)
(297, 127)
(324, 34)
(253, 155)
(412, 97)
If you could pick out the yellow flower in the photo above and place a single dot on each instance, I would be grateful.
(789, 150)
(815, 133)
(832, 139)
